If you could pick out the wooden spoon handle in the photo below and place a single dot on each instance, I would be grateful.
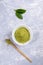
(24, 55)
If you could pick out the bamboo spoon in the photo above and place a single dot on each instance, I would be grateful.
(24, 55)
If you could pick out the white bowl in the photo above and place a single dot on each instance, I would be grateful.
(14, 39)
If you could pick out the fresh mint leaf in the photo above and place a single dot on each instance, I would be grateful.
(19, 15)
(20, 11)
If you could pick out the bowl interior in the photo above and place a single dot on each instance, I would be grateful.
(14, 39)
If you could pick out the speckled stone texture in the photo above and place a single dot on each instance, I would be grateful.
(8, 21)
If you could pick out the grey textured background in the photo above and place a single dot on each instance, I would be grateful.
(8, 21)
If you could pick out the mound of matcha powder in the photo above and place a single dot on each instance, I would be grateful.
(22, 35)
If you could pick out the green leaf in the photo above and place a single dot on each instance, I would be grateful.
(19, 15)
(20, 11)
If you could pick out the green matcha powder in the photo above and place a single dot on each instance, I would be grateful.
(22, 35)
